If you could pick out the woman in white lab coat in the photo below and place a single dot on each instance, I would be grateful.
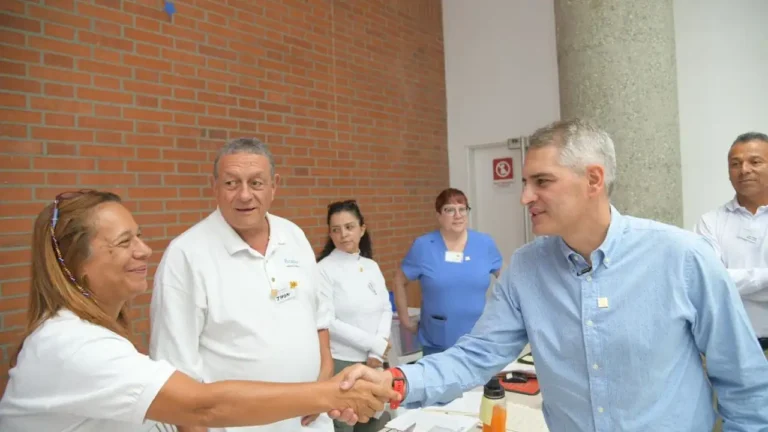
(359, 300)
(77, 369)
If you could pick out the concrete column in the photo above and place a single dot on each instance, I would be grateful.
(617, 67)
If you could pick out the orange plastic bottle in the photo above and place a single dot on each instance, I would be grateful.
(493, 408)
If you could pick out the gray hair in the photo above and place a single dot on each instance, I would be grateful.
(750, 136)
(581, 143)
(244, 145)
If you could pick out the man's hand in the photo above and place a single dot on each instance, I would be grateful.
(374, 363)
(380, 383)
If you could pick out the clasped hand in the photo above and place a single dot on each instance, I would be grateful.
(362, 392)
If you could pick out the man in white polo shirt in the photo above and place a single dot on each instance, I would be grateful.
(738, 228)
(235, 296)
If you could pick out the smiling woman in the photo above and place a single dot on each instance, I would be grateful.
(76, 367)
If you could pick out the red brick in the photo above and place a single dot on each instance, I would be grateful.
(58, 90)
(105, 41)
(60, 134)
(13, 131)
(104, 68)
(104, 96)
(100, 151)
(19, 85)
(59, 75)
(106, 14)
(61, 105)
(13, 53)
(107, 179)
(18, 116)
(64, 120)
(54, 45)
(64, 164)
(19, 23)
(58, 31)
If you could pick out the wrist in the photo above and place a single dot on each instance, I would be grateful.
(399, 385)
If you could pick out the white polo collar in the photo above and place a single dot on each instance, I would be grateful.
(232, 240)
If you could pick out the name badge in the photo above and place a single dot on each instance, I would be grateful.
(455, 257)
(284, 295)
(748, 234)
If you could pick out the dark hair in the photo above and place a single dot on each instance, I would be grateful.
(750, 136)
(366, 248)
(448, 196)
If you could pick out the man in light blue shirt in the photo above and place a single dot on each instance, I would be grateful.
(618, 311)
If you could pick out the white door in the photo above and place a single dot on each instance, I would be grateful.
(496, 208)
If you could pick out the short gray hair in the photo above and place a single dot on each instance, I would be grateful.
(750, 136)
(244, 145)
(581, 143)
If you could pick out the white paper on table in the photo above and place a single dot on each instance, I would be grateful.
(468, 404)
(516, 366)
(427, 420)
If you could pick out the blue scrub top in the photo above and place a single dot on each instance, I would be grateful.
(452, 294)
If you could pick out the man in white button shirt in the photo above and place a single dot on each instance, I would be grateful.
(235, 296)
(738, 228)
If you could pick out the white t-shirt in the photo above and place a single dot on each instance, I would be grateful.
(72, 375)
(223, 311)
(362, 312)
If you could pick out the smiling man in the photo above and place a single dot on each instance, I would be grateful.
(617, 310)
(738, 228)
(235, 295)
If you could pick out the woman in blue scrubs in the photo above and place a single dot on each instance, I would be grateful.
(454, 266)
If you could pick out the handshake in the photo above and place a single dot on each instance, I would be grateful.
(358, 392)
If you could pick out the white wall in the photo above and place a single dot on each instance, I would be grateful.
(501, 78)
(500, 71)
(722, 61)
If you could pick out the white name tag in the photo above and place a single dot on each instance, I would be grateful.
(748, 234)
(455, 257)
(284, 295)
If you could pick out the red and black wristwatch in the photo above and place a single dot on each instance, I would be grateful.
(398, 384)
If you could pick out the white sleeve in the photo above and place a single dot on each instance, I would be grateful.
(322, 299)
(345, 332)
(385, 323)
(177, 315)
(750, 282)
(107, 378)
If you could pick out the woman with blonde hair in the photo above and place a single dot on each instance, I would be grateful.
(76, 369)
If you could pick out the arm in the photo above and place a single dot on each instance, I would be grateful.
(326, 361)
(736, 366)
(343, 331)
(106, 378)
(496, 339)
(401, 300)
(410, 269)
(495, 257)
(751, 282)
(385, 322)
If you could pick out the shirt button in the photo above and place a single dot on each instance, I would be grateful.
(273, 279)
(600, 409)
(595, 366)
(590, 323)
(589, 278)
(607, 260)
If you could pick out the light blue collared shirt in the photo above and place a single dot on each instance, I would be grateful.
(616, 348)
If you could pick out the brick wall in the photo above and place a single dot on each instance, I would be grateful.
(110, 94)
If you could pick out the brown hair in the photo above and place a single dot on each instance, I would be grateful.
(55, 284)
(449, 196)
